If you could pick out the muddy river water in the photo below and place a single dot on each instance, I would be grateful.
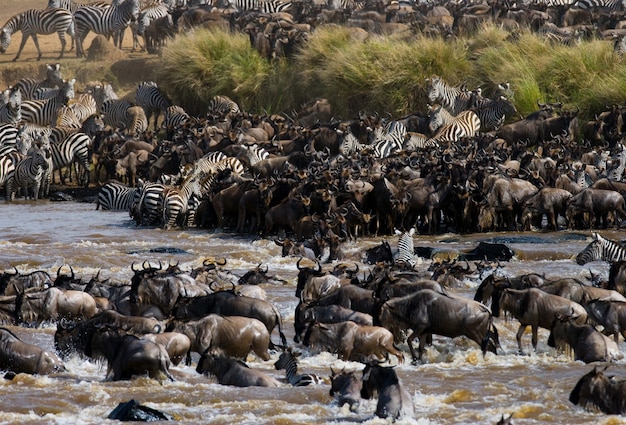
(454, 384)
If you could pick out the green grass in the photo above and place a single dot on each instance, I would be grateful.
(388, 74)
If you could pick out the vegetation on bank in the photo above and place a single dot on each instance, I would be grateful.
(387, 73)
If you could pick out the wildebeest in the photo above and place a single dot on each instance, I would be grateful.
(21, 357)
(233, 372)
(346, 388)
(534, 307)
(229, 303)
(394, 401)
(12, 282)
(54, 304)
(428, 312)
(588, 344)
(611, 315)
(176, 344)
(597, 391)
(234, 336)
(352, 341)
(306, 314)
(128, 356)
(379, 254)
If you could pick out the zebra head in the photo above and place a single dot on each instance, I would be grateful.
(67, 91)
(435, 117)
(593, 251)
(433, 89)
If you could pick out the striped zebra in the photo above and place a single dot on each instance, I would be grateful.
(263, 6)
(45, 112)
(8, 135)
(449, 128)
(136, 122)
(609, 5)
(75, 148)
(454, 99)
(116, 196)
(223, 106)
(493, 112)
(73, 6)
(92, 126)
(30, 86)
(101, 93)
(391, 140)
(28, 173)
(418, 141)
(33, 22)
(250, 155)
(601, 249)
(11, 110)
(146, 16)
(115, 113)
(147, 210)
(287, 361)
(174, 118)
(105, 21)
(350, 144)
(7, 167)
(176, 201)
(406, 250)
(152, 99)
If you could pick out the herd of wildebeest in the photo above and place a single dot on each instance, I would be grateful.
(312, 182)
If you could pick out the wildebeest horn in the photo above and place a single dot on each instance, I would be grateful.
(211, 286)
(132, 267)
(298, 264)
(72, 270)
(266, 268)
(143, 265)
(223, 263)
(319, 266)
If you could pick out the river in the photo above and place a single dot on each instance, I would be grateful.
(454, 384)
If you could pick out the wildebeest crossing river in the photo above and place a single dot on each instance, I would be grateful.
(454, 384)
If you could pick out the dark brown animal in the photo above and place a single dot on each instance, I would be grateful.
(346, 388)
(20, 357)
(597, 391)
(233, 372)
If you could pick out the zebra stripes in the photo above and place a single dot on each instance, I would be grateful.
(147, 210)
(8, 135)
(115, 113)
(406, 249)
(453, 99)
(45, 112)
(33, 22)
(391, 140)
(223, 106)
(449, 128)
(105, 21)
(116, 196)
(75, 148)
(28, 173)
(252, 154)
(601, 249)
(11, 110)
(287, 361)
(7, 167)
(152, 100)
(176, 201)
(493, 112)
(263, 6)
(417, 141)
(73, 6)
(30, 86)
(350, 144)
(174, 118)
(612, 5)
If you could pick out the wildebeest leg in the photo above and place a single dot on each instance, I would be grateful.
(520, 332)
(535, 329)
(188, 358)
(409, 341)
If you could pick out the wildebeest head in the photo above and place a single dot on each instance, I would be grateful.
(379, 254)
(593, 391)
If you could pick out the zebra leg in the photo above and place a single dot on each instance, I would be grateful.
(63, 43)
(23, 43)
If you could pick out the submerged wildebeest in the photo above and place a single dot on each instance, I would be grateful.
(394, 401)
(233, 372)
(346, 388)
(18, 356)
(611, 315)
(234, 336)
(597, 391)
(351, 341)
(588, 344)
(53, 304)
(128, 356)
(428, 312)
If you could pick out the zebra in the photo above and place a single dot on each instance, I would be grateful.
(75, 148)
(115, 113)
(116, 196)
(7, 167)
(33, 22)
(146, 16)
(101, 94)
(493, 112)
(8, 135)
(11, 110)
(152, 100)
(174, 118)
(28, 173)
(223, 106)
(601, 249)
(45, 112)
(105, 21)
(609, 5)
(176, 200)
(287, 361)
(92, 126)
(30, 86)
(391, 140)
(147, 209)
(406, 250)
(252, 154)
(263, 6)
(73, 6)
(453, 99)
(417, 141)
(137, 122)
(350, 144)
(450, 128)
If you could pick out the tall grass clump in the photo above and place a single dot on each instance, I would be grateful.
(199, 65)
